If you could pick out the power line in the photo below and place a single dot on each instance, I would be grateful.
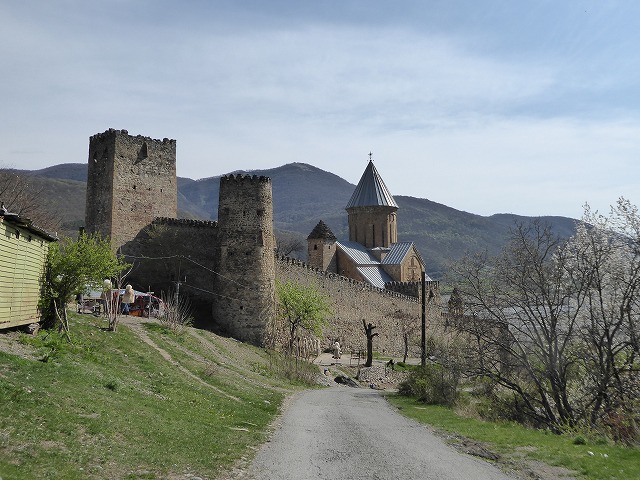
(192, 261)
(212, 293)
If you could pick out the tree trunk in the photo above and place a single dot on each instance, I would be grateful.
(406, 347)
(368, 330)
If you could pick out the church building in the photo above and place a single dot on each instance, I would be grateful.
(373, 253)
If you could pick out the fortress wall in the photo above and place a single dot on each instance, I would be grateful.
(171, 250)
(354, 301)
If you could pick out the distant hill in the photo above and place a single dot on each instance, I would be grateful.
(64, 171)
(303, 195)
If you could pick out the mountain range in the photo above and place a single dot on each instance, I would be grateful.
(303, 195)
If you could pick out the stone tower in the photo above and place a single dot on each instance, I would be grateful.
(321, 248)
(130, 182)
(372, 212)
(245, 263)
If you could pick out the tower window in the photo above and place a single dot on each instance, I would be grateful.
(144, 152)
(315, 247)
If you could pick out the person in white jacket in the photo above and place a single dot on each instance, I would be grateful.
(127, 299)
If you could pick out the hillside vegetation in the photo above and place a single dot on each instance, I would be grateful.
(139, 403)
(303, 195)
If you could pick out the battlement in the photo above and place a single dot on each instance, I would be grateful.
(112, 133)
(185, 222)
(240, 178)
(337, 278)
(413, 288)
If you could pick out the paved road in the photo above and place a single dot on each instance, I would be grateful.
(350, 433)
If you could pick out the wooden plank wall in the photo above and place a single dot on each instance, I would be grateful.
(22, 258)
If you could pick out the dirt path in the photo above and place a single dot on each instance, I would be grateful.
(137, 328)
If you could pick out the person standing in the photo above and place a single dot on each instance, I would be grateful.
(127, 299)
(337, 353)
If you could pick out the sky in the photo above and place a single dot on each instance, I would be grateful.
(494, 106)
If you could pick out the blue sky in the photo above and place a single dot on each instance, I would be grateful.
(528, 107)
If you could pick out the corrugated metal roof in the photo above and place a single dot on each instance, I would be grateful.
(371, 190)
(358, 253)
(376, 276)
(398, 252)
(369, 266)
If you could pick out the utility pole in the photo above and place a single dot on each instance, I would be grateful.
(423, 340)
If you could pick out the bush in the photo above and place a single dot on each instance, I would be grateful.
(295, 369)
(498, 405)
(175, 314)
(432, 384)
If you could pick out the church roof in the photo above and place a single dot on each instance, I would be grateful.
(321, 232)
(376, 276)
(358, 253)
(397, 253)
(370, 267)
(371, 190)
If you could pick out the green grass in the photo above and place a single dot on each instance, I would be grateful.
(110, 406)
(593, 459)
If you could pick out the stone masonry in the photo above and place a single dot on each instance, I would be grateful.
(227, 268)
(130, 181)
(245, 284)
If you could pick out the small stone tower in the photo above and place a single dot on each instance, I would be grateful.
(130, 182)
(372, 212)
(321, 248)
(245, 262)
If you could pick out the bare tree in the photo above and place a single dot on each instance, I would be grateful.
(175, 313)
(289, 244)
(408, 327)
(607, 250)
(368, 330)
(20, 195)
(112, 297)
(526, 303)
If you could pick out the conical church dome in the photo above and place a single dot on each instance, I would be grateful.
(371, 191)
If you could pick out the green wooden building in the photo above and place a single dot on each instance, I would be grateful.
(23, 253)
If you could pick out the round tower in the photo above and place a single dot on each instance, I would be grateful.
(245, 282)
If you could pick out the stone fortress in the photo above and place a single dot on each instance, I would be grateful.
(228, 268)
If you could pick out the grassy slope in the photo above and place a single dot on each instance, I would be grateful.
(595, 460)
(117, 406)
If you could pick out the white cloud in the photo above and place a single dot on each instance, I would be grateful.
(521, 116)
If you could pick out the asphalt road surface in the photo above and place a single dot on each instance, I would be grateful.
(351, 433)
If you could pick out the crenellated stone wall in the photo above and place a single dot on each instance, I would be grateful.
(352, 302)
(228, 268)
(171, 254)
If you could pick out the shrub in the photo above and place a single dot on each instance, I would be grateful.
(432, 384)
(175, 314)
(293, 368)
